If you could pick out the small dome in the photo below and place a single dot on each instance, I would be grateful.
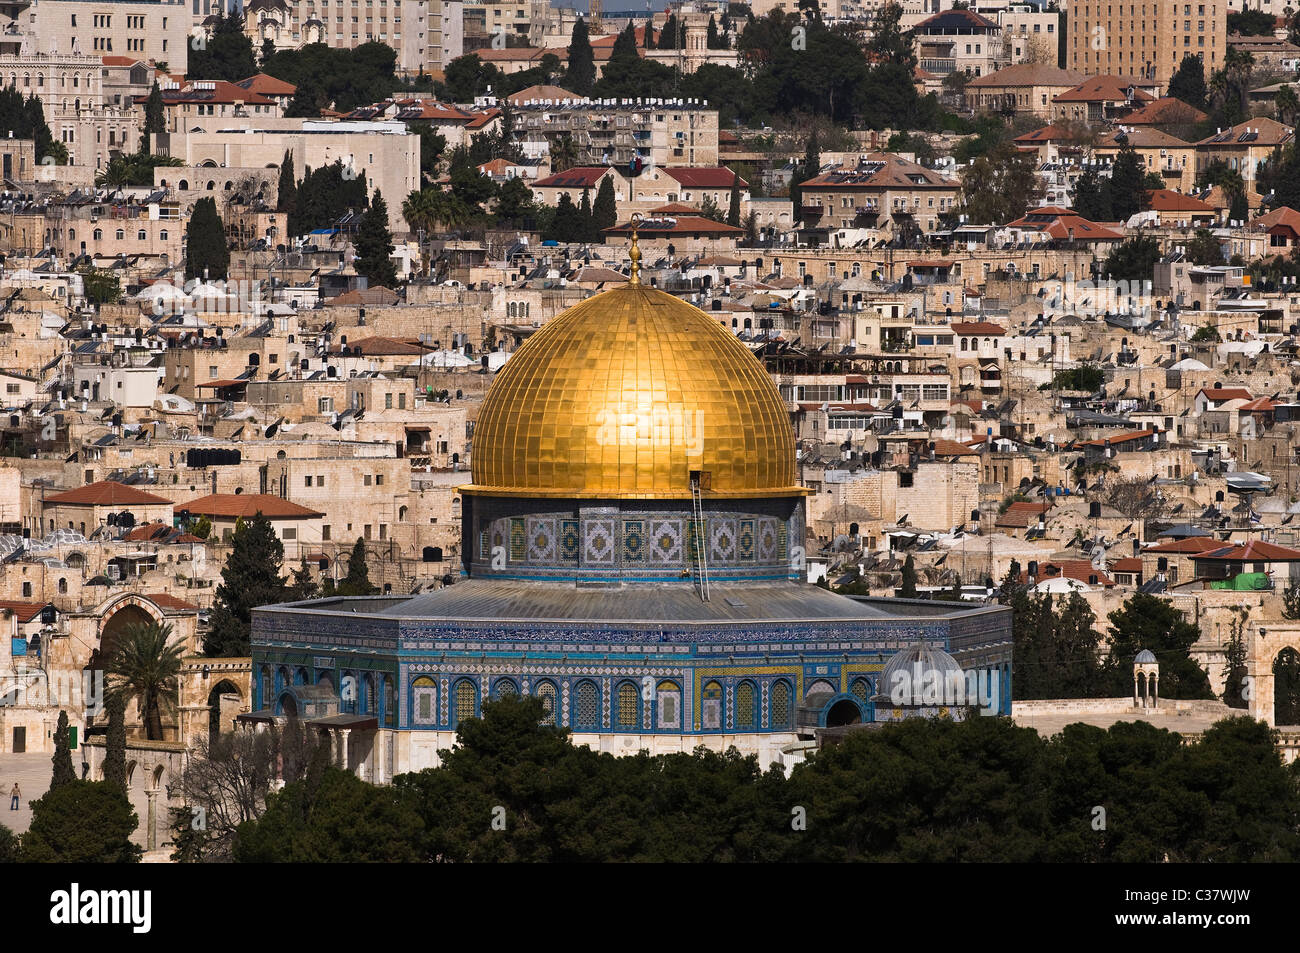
(914, 668)
(1145, 657)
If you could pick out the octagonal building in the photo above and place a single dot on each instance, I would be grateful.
(632, 554)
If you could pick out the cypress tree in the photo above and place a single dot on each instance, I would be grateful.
(155, 121)
(733, 211)
(712, 41)
(668, 35)
(584, 213)
(812, 165)
(605, 212)
(303, 586)
(566, 224)
(63, 770)
(205, 245)
(286, 193)
(357, 582)
(581, 75)
(251, 577)
(115, 741)
(374, 245)
(908, 589)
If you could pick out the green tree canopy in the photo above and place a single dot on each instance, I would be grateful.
(374, 245)
(207, 255)
(251, 577)
(81, 822)
(1149, 622)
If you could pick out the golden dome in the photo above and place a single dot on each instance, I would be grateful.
(622, 397)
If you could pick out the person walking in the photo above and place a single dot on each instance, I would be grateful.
(13, 797)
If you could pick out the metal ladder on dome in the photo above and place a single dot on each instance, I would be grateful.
(701, 548)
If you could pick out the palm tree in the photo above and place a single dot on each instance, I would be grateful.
(453, 211)
(145, 667)
(1287, 104)
(564, 154)
(421, 210)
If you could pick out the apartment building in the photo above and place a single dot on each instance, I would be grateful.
(620, 132)
(1146, 39)
(157, 30)
(959, 40)
(1030, 33)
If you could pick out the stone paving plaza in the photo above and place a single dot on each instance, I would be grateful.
(32, 772)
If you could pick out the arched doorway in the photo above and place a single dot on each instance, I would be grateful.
(287, 705)
(1286, 687)
(223, 705)
(843, 712)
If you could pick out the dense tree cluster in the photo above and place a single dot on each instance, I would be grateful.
(324, 195)
(25, 119)
(980, 790)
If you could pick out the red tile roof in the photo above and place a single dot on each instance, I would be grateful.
(977, 327)
(1284, 217)
(1165, 111)
(106, 493)
(1118, 438)
(26, 611)
(1192, 544)
(1226, 393)
(1253, 551)
(1167, 200)
(1064, 223)
(266, 85)
(1105, 89)
(236, 505)
(384, 347)
(705, 178)
(579, 177)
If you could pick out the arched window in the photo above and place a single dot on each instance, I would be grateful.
(300, 676)
(141, 235)
(281, 678)
(99, 234)
(546, 692)
(711, 707)
(465, 700)
(424, 701)
(963, 344)
(586, 713)
(63, 586)
(183, 185)
(780, 710)
(669, 705)
(861, 690)
(629, 706)
(503, 687)
(326, 679)
(746, 707)
(389, 703)
(264, 688)
(401, 513)
(162, 236)
(368, 701)
(120, 234)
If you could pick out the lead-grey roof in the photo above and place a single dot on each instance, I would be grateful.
(508, 600)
